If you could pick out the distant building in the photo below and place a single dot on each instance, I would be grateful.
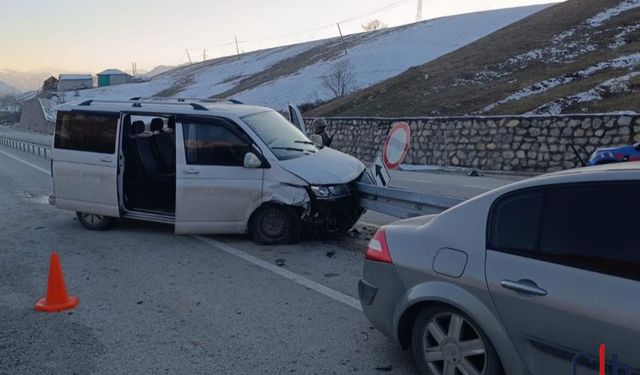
(69, 82)
(111, 77)
(50, 84)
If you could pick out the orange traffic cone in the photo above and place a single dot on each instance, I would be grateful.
(57, 298)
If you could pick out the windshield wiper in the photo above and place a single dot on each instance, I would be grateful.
(291, 149)
(305, 142)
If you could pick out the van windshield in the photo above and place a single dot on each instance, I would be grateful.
(282, 137)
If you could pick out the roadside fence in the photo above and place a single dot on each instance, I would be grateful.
(35, 148)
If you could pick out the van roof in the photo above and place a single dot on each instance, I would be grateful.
(202, 107)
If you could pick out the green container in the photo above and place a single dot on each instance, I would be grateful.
(103, 81)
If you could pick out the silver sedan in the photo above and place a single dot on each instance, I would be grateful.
(538, 277)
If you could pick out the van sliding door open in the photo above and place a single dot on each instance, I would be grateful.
(85, 162)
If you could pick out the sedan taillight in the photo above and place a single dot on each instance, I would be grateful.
(378, 251)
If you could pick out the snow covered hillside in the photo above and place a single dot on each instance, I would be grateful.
(6, 89)
(577, 56)
(23, 81)
(278, 76)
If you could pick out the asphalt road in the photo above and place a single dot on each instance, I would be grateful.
(155, 302)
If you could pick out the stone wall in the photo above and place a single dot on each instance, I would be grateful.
(33, 117)
(501, 143)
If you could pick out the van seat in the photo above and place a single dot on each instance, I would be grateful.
(164, 144)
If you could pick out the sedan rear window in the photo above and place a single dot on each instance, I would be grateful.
(589, 226)
(515, 223)
(593, 227)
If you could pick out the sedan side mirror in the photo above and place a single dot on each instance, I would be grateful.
(252, 161)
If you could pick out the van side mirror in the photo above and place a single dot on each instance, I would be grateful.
(317, 139)
(252, 161)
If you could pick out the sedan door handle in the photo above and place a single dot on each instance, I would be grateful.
(524, 286)
(190, 171)
(106, 160)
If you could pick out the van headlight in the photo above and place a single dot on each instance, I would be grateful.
(330, 191)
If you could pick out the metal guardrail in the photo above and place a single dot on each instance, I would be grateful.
(391, 201)
(35, 148)
(403, 203)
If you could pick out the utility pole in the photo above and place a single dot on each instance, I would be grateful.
(204, 55)
(419, 12)
(237, 48)
(342, 38)
(134, 68)
(189, 56)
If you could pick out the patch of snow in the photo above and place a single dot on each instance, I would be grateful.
(48, 109)
(386, 55)
(563, 35)
(619, 39)
(536, 54)
(563, 49)
(616, 85)
(602, 17)
(374, 57)
(628, 61)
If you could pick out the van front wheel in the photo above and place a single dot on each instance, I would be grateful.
(93, 221)
(272, 224)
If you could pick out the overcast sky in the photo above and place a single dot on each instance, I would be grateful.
(89, 36)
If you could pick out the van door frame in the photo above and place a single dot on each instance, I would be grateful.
(184, 175)
(122, 161)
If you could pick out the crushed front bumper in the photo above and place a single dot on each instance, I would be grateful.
(333, 215)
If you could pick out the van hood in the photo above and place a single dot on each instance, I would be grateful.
(325, 167)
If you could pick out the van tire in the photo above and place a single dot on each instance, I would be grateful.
(274, 224)
(93, 221)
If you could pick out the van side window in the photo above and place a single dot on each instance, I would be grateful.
(86, 132)
(515, 222)
(213, 144)
(593, 226)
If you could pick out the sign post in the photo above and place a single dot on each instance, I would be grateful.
(396, 145)
(395, 150)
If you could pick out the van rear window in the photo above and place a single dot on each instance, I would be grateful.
(86, 132)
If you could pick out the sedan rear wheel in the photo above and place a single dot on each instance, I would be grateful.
(447, 342)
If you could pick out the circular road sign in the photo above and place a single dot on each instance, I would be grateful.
(396, 145)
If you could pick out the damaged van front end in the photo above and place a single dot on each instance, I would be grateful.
(306, 187)
(333, 208)
(331, 177)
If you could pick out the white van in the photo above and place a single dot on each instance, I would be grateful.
(204, 166)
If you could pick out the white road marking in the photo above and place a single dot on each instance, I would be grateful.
(333, 294)
(26, 162)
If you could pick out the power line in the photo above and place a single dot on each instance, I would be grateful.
(317, 28)
(380, 10)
